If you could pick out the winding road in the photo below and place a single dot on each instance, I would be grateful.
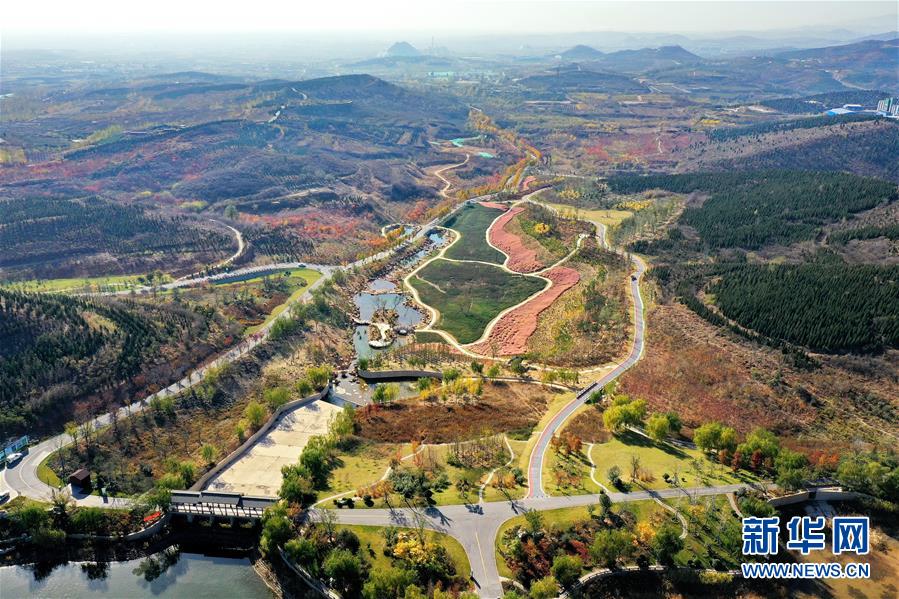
(476, 526)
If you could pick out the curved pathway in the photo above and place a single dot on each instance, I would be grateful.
(476, 526)
(535, 465)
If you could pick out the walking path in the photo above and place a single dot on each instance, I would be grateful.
(476, 526)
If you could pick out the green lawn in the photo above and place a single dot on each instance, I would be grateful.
(301, 278)
(363, 465)
(372, 543)
(472, 223)
(46, 475)
(470, 295)
(428, 337)
(656, 459)
(110, 283)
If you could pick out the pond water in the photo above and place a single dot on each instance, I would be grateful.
(381, 285)
(367, 304)
(191, 575)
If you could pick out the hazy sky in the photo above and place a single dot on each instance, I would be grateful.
(73, 17)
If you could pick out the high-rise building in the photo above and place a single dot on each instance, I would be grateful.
(888, 106)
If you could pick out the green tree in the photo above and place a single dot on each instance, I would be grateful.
(385, 393)
(319, 376)
(658, 426)
(674, 422)
(567, 569)
(31, 518)
(605, 503)
(255, 414)
(534, 521)
(208, 452)
(714, 436)
(276, 529)
(609, 546)
(296, 486)
(345, 572)
(90, 520)
(304, 552)
(666, 544)
(545, 588)
(624, 412)
(388, 582)
(276, 397)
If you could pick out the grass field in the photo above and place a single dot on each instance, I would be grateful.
(300, 277)
(373, 543)
(470, 295)
(363, 465)
(46, 475)
(89, 284)
(656, 459)
(610, 218)
(472, 223)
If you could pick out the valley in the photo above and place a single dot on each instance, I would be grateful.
(437, 324)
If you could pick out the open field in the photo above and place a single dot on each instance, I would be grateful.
(511, 333)
(472, 223)
(657, 459)
(744, 385)
(363, 464)
(502, 407)
(86, 284)
(610, 218)
(469, 295)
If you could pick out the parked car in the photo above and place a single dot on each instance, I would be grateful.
(13, 458)
(4, 496)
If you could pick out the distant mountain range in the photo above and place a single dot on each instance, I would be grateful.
(580, 52)
(632, 60)
(402, 49)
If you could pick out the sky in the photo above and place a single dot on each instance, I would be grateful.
(91, 17)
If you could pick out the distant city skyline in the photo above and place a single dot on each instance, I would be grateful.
(92, 17)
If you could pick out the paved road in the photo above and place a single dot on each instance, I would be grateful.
(22, 479)
(535, 465)
(475, 526)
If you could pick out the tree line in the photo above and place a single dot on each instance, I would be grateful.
(751, 209)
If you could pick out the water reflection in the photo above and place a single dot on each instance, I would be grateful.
(168, 573)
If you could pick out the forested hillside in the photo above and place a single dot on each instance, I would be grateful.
(61, 232)
(818, 103)
(757, 208)
(724, 133)
(825, 307)
(869, 151)
(57, 351)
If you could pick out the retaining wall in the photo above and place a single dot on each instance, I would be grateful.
(264, 429)
(397, 375)
(814, 495)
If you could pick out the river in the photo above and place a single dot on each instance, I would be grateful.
(172, 575)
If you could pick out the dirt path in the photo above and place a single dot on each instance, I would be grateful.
(481, 348)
